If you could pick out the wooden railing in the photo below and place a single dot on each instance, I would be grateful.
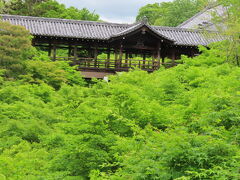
(114, 65)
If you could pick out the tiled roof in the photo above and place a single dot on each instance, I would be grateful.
(138, 26)
(104, 31)
(204, 18)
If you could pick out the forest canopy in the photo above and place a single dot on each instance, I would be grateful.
(45, 8)
(171, 13)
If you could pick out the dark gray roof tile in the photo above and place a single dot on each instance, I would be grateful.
(203, 19)
(104, 31)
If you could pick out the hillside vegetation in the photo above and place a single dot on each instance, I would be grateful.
(45, 8)
(180, 123)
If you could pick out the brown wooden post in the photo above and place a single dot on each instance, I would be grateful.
(50, 50)
(95, 55)
(130, 60)
(54, 52)
(158, 54)
(173, 56)
(75, 54)
(116, 57)
(90, 56)
(126, 59)
(119, 61)
(69, 51)
(120, 56)
(34, 43)
(144, 60)
(163, 60)
(108, 58)
(153, 60)
(192, 52)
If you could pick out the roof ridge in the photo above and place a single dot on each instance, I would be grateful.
(63, 20)
(137, 26)
(184, 29)
(133, 26)
(101, 23)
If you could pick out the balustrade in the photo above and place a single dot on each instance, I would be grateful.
(113, 65)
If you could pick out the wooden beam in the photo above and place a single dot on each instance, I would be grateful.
(140, 48)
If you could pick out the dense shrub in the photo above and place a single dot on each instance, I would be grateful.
(52, 73)
(179, 123)
(20, 61)
(15, 46)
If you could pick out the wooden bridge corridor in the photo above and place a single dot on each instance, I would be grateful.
(101, 48)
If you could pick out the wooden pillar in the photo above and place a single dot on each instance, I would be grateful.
(126, 59)
(75, 52)
(153, 60)
(192, 52)
(116, 53)
(120, 55)
(130, 59)
(69, 51)
(108, 58)
(158, 54)
(50, 50)
(54, 52)
(90, 56)
(173, 56)
(108, 54)
(95, 55)
(34, 43)
(163, 60)
(116, 57)
(144, 60)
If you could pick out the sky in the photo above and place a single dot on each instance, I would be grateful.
(118, 11)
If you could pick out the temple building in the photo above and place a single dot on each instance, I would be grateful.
(205, 19)
(99, 48)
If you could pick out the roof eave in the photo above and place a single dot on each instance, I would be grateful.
(136, 29)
